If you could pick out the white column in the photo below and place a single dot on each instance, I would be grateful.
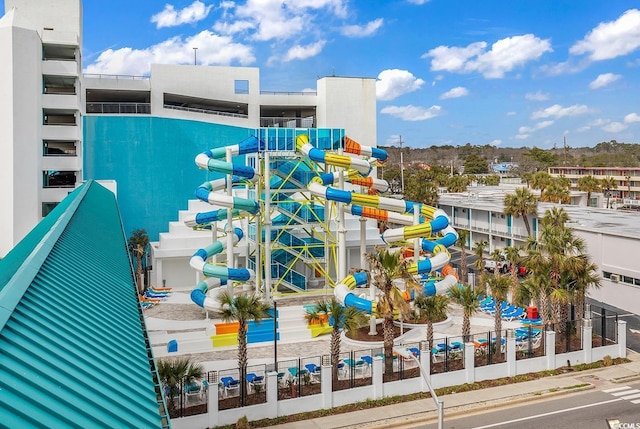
(326, 386)
(267, 229)
(622, 338)
(587, 345)
(550, 349)
(425, 363)
(272, 395)
(511, 352)
(469, 362)
(229, 228)
(212, 404)
(377, 367)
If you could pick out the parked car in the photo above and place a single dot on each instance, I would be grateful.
(503, 265)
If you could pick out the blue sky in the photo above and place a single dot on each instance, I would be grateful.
(507, 73)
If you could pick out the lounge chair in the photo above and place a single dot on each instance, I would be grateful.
(518, 313)
(231, 386)
(355, 367)
(314, 370)
(192, 389)
(368, 360)
(254, 380)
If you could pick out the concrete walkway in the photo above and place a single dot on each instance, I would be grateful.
(425, 411)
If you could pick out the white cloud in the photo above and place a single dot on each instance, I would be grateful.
(614, 127)
(277, 19)
(496, 142)
(611, 39)
(362, 30)
(458, 91)
(595, 123)
(412, 113)
(522, 136)
(394, 83)
(604, 80)
(536, 96)
(212, 50)
(631, 117)
(536, 127)
(557, 111)
(418, 2)
(302, 52)
(453, 59)
(504, 55)
(511, 113)
(170, 17)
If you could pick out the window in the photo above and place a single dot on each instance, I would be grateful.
(241, 86)
(58, 53)
(59, 84)
(58, 148)
(58, 179)
(59, 118)
(47, 208)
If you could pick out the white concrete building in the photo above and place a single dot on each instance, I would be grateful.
(41, 120)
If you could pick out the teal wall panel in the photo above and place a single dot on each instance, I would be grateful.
(152, 161)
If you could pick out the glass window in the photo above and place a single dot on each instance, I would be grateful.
(58, 179)
(58, 148)
(47, 208)
(241, 86)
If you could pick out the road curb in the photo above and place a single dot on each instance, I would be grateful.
(465, 409)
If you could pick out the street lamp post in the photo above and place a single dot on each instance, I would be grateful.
(195, 56)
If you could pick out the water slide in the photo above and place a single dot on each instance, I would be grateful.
(205, 292)
(432, 221)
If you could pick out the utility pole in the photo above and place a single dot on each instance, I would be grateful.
(401, 167)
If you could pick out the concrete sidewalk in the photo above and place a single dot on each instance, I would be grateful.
(424, 410)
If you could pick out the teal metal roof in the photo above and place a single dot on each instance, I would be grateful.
(73, 346)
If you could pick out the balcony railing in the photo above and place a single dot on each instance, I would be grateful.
(119, 108)
(283, 122)
(206, 111)
(114, 76)
(288, 93)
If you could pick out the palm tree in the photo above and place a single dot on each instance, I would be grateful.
(457, 184)
(513, 256)
(463, 236)
(560, 267)
(585, 277)
(173, 373)
(432, 308)
(137, 244)
(540, 180)
(478, 250)
(468, 299)
(521, 204)
(498, 286)
(556, 193)
(385, 268)
(589, 184)
(344, 319)
(609, 184)
(242, 308)
(497, 256)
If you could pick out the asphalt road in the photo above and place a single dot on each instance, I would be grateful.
(585, 410)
